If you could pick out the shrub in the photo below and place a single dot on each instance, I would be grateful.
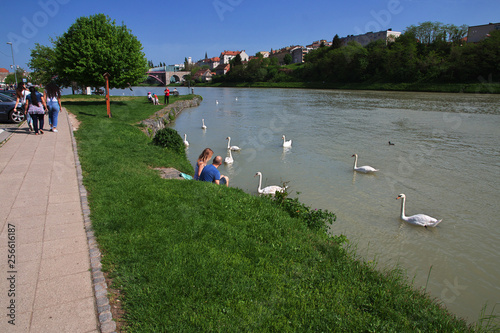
(169, 138)
(315, 219)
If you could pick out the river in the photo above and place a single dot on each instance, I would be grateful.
(445, 158)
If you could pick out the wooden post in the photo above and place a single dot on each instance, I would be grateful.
(106, 76)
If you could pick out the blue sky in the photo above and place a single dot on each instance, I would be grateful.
(173, 30)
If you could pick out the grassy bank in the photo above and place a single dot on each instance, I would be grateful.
(191, 256)
(472, 88)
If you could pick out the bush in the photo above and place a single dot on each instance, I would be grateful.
(315, 219)
(169, 138)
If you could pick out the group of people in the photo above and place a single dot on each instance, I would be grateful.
(209, 173)
(152, 97)
(36, 105)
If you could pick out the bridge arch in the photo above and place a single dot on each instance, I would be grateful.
(165, 77)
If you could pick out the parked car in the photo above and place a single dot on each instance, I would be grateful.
(11, 93)
(7, 110)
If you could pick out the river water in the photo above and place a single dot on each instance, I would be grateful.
(445, 158)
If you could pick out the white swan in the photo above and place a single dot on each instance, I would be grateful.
(419, 219)
(269, 189)
(229, 145)
(216, 101)
(186, 143)
(286, 144)
(365, 168)
(203, 124)
(229, 159)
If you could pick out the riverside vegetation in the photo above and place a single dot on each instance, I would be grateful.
(189, 256)
(430, 57)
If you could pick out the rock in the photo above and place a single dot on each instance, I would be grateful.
(163, 117)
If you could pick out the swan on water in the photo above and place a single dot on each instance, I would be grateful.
(186, 143)
(216, 101)
(419, 219)
(286, 143)
(229, 145)
(203, 124)
(365, 168)
(229, 159)
(268, 189)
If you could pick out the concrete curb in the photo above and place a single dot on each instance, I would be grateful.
(106, 322)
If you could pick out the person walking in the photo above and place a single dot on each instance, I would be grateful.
(21, 93)
(167, 96)
(52, 96)
(36, 106)
(205, 155)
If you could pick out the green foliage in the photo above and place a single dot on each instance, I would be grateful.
(431, 53)
(315, 219)
(169, 138)
(336, 42)
(432, 32)
(43, 64)
(11, 78)
(95, 45)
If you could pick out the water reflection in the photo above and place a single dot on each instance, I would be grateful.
(285, 152)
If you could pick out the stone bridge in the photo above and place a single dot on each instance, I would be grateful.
(165, 77)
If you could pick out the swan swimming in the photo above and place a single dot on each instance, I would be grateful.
(269, 189)
(419, 219)
(365, 168)
(286, 143)
(203, 124)
(234, 148)
(186, 143)
(229, 159)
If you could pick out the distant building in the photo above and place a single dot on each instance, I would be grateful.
(227, 56)
(167, 68)
(479, 32)
(265, 54)
(222, 69)
(212, 63)
(205, 75)
(318, 44)
(3, 74)
(298, 54)
(281, 53)
(365, 39)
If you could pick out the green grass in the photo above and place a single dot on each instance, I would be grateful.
(191, 256)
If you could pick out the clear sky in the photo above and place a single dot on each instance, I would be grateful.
(171, 31)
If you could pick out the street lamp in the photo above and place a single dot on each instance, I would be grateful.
(13, 61)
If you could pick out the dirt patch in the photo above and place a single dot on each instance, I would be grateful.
(169, 173)
(75, 124)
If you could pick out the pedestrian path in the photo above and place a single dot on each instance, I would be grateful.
(45, 267)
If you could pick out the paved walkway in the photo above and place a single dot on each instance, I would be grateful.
(47, 285)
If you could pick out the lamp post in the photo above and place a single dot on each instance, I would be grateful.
(13, 61)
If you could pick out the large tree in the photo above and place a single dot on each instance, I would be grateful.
(43, 63)
(95, 45)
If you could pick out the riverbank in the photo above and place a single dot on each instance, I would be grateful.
(192, 256)
(469, 88)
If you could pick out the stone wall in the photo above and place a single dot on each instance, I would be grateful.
(163, 117)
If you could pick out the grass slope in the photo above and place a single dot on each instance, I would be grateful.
(191, 256)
